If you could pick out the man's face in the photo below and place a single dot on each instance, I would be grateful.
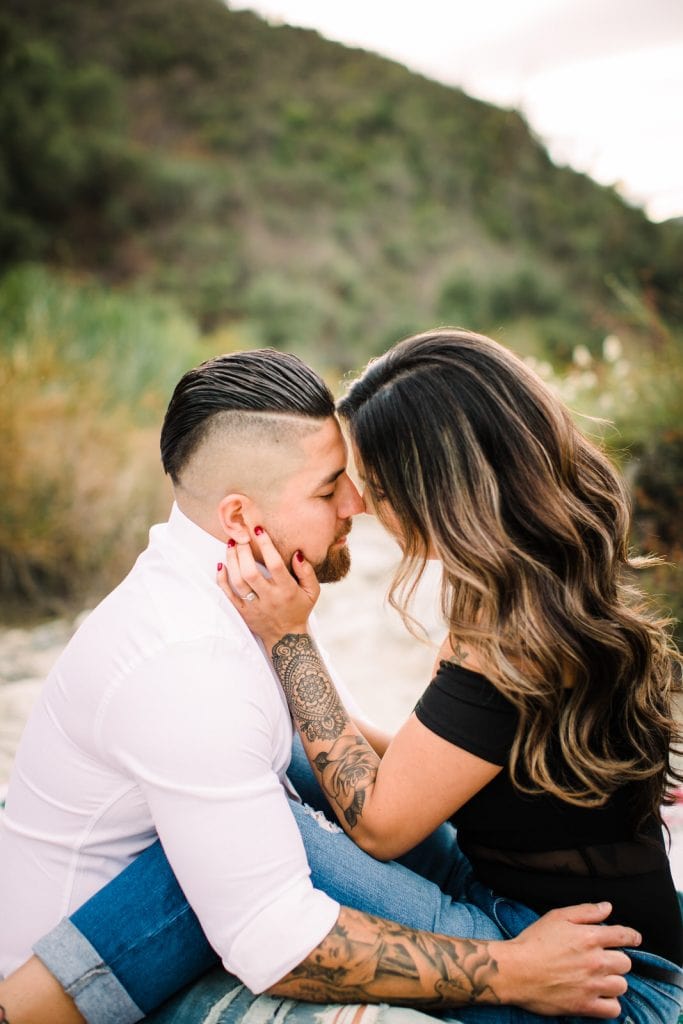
(312, 512)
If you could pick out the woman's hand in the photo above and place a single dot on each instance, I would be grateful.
(281, 604)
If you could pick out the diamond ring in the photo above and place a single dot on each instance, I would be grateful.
(250, 596)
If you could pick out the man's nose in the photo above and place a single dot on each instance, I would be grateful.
(351, 502)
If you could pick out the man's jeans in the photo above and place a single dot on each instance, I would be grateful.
(137, 942)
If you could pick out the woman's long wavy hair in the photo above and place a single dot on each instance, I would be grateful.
(483, 467)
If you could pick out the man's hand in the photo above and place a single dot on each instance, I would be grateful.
(567, 963)
(563, 964)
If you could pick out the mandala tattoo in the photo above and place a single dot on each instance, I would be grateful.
(311, 695)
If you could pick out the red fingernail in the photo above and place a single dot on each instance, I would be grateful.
(258, 530)
(299, 556)
(219, 567)
(231, 543)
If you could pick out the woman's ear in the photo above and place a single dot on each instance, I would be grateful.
(237, 513)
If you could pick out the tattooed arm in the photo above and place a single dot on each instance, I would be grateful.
(345, 762)
(557, 966)
(367, 959)
(386, 806)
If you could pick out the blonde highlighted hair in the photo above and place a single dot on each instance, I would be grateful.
(484, 467)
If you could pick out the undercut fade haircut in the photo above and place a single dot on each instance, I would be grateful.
(260, 381)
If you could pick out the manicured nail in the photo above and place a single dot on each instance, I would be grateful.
(258, 530)
(299, 556)
(219, 567)
(231, 543)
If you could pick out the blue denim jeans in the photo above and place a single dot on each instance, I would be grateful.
(137, 943)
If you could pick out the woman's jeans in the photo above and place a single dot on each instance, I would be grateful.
(136, 943)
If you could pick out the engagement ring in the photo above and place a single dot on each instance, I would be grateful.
(250, 596)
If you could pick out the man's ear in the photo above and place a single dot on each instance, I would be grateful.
(239, 515)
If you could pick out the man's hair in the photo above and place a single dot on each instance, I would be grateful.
(260, 381)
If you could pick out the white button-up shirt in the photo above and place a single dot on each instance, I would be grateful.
(163, 716)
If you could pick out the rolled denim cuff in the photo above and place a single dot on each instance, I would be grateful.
(80, 970)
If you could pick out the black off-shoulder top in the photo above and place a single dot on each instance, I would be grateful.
(538, 849)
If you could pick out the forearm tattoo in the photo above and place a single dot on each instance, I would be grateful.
(311, 696)
(350, 765)
(346, 771)
(367, 959)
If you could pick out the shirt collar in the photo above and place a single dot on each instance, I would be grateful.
(205, 549)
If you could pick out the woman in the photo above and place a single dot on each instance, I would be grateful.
(546, 733)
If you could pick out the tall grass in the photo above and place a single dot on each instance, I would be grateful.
(628, 394)
(85, 375)
(138, 344)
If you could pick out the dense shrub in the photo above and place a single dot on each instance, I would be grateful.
(84, 376)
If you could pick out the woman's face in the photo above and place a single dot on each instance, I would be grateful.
(375, 506)
(380, 507)
(385, 513)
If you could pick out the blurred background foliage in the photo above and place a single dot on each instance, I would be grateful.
(178, 179)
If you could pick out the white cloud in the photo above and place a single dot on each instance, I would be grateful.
(616, 117)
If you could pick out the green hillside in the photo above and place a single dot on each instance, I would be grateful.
(319, 196)
(177, 178)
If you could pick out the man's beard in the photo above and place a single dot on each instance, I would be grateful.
(336, 563)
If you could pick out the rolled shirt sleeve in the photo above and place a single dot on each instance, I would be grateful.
(196, 728)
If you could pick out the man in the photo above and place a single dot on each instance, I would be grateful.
(163, 717)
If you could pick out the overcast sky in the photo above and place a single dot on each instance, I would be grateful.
(600, 81)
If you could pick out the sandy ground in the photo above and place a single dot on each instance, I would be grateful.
(384, 667)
